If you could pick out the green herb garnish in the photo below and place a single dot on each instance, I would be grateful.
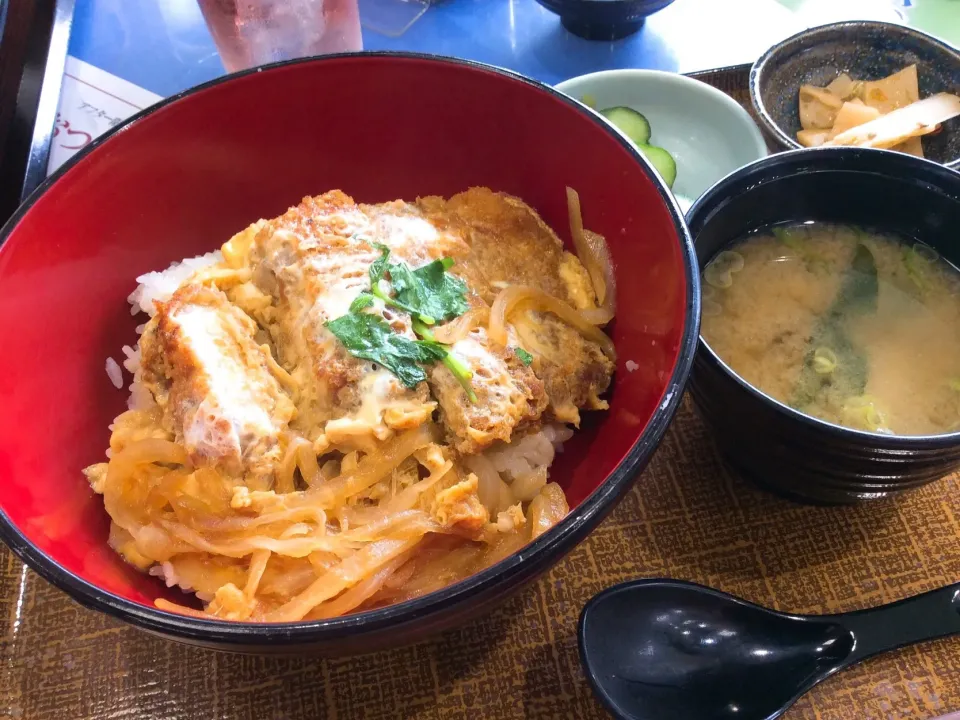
(370, 337)
(430, 289)
(916, 266)
(815, 261)
(525, 357)
(429, 294)
(378, 269)
(361, 301)
(461, 372)
(789, 239)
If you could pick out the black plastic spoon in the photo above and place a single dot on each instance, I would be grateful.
(656, 649)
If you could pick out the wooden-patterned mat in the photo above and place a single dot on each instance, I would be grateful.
(686, 518)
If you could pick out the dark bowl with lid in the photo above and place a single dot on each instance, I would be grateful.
(762, 439)
(603, 19)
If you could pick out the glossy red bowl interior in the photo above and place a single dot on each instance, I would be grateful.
(180, 179)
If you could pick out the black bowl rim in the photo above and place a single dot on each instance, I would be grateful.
(758, 68)
(605, 10)
(546, 549)
(861, 161)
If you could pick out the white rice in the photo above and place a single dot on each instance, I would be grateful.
(131, 358)
(558, 435)
(167, 573)
(159, 286)
(517, 464)
(631, 366)
(516, 459)
(153, 287)
(140, 398)
(114, 373)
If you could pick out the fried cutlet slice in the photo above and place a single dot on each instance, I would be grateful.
(201, 362)
(509, 396)
(314, 261)
(574, 371)
(510, 244)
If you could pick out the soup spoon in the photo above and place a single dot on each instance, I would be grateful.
(656, 649)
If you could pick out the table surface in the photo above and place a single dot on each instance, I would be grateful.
(686, 517)
(164, 46)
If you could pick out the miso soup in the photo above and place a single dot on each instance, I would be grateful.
(857, 328)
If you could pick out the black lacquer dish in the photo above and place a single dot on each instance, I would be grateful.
(765, 440)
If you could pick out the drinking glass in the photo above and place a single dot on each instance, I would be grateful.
(391, 17)
(254, 32)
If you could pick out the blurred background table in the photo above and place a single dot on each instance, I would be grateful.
(163, 45)
(126, 54)
(686, 518)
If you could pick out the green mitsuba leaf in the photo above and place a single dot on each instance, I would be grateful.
(430, 290)
(525, 357)
(370, 337)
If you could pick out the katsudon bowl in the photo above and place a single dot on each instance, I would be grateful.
(181, 178)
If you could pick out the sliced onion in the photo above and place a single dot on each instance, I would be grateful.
(307, 462)
(597, 316)
(547, 509)
(595, 255)
(355, 596)
(258, 563)
(459, 328)
(527, 487)
(598, 245)
(584, 251)
(488, 480)
(530, 298)
(149, 450)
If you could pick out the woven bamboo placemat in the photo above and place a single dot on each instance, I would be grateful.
(685, 518)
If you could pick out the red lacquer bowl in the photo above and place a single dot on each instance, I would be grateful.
(181, 178)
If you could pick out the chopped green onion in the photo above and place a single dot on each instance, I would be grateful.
(460, 371)
(824, 361)
(525, 357)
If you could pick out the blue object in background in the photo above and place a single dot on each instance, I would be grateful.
(604, 19)
(164, 46)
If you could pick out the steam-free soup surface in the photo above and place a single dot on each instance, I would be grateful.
(854, 327)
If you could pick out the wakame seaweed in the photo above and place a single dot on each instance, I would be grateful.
(858, 294)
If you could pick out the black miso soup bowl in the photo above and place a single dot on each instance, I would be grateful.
(762, 439)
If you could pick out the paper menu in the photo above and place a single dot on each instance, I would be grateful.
(91, 102)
